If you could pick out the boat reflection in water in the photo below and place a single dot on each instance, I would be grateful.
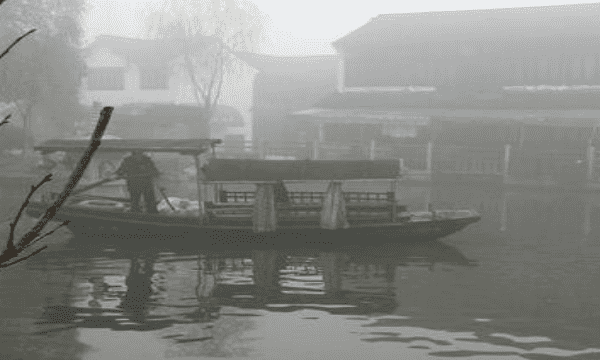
(161, 289)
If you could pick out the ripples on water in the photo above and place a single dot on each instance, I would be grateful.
(520, 284)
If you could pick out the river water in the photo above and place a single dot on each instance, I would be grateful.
(518, 285)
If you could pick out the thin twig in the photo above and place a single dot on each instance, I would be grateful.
(5, 121)
(25, 258)
(64, 223)
(16, 42)
(10, 245)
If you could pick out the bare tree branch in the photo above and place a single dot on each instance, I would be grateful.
(4, 265)
(220, 81)
(5, 121)
(197, 86)
(16, 42)
(33, 236)
(10, 245)
(74, 179)
(37, 239)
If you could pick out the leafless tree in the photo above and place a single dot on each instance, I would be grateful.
(205, 35)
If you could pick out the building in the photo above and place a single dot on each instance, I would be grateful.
(520, 77)
(166, 121)
(286, 84)
(129, 72)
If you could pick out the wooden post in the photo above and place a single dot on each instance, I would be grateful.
(393, 199)
(216, 196)
(199, 182)
(372, 150)
(587, 219)
(315, 152)
(262, 151)
(428, 205)
(591, 155)
(521, 136)
(321, 133)
(429, 156)
(503, 210)
(506, 160)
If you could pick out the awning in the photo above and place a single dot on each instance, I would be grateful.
(364, 116)
(187, 146)
(236, 170)
(422, 117)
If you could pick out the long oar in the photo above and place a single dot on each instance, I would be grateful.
(162, 192)
(91, 186)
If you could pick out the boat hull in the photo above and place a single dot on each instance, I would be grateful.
(133, 227)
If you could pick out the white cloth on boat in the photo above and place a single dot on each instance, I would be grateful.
(333, 213)
(264, 216)
(182, 207)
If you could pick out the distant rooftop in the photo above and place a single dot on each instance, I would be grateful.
(447, 24)
(145, 51)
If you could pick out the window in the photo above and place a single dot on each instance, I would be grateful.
(153, 79)
(106, 78)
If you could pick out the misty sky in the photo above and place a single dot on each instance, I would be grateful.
(297, 27)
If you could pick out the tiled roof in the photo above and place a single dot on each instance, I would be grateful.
(541, 20)
(145, 51)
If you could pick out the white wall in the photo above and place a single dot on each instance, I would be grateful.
(237, 89)
(102, 57)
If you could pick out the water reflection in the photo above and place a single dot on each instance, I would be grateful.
(518, 283)
(358, 281)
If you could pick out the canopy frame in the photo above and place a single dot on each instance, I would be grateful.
(191, 147)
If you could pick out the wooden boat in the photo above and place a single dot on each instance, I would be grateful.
(231, 217)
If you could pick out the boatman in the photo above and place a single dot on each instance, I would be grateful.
(140, 173)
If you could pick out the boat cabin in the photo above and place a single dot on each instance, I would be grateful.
(332, 207)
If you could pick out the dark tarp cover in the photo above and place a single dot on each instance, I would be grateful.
(186, 146)
(274, 170)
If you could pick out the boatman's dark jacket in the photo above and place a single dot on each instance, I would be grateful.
(138, 169)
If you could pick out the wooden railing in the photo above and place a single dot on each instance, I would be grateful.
(308, 205)
(309, 197)
(468, 160)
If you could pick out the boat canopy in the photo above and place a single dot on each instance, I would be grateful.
(182, 146)
(238, 170)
